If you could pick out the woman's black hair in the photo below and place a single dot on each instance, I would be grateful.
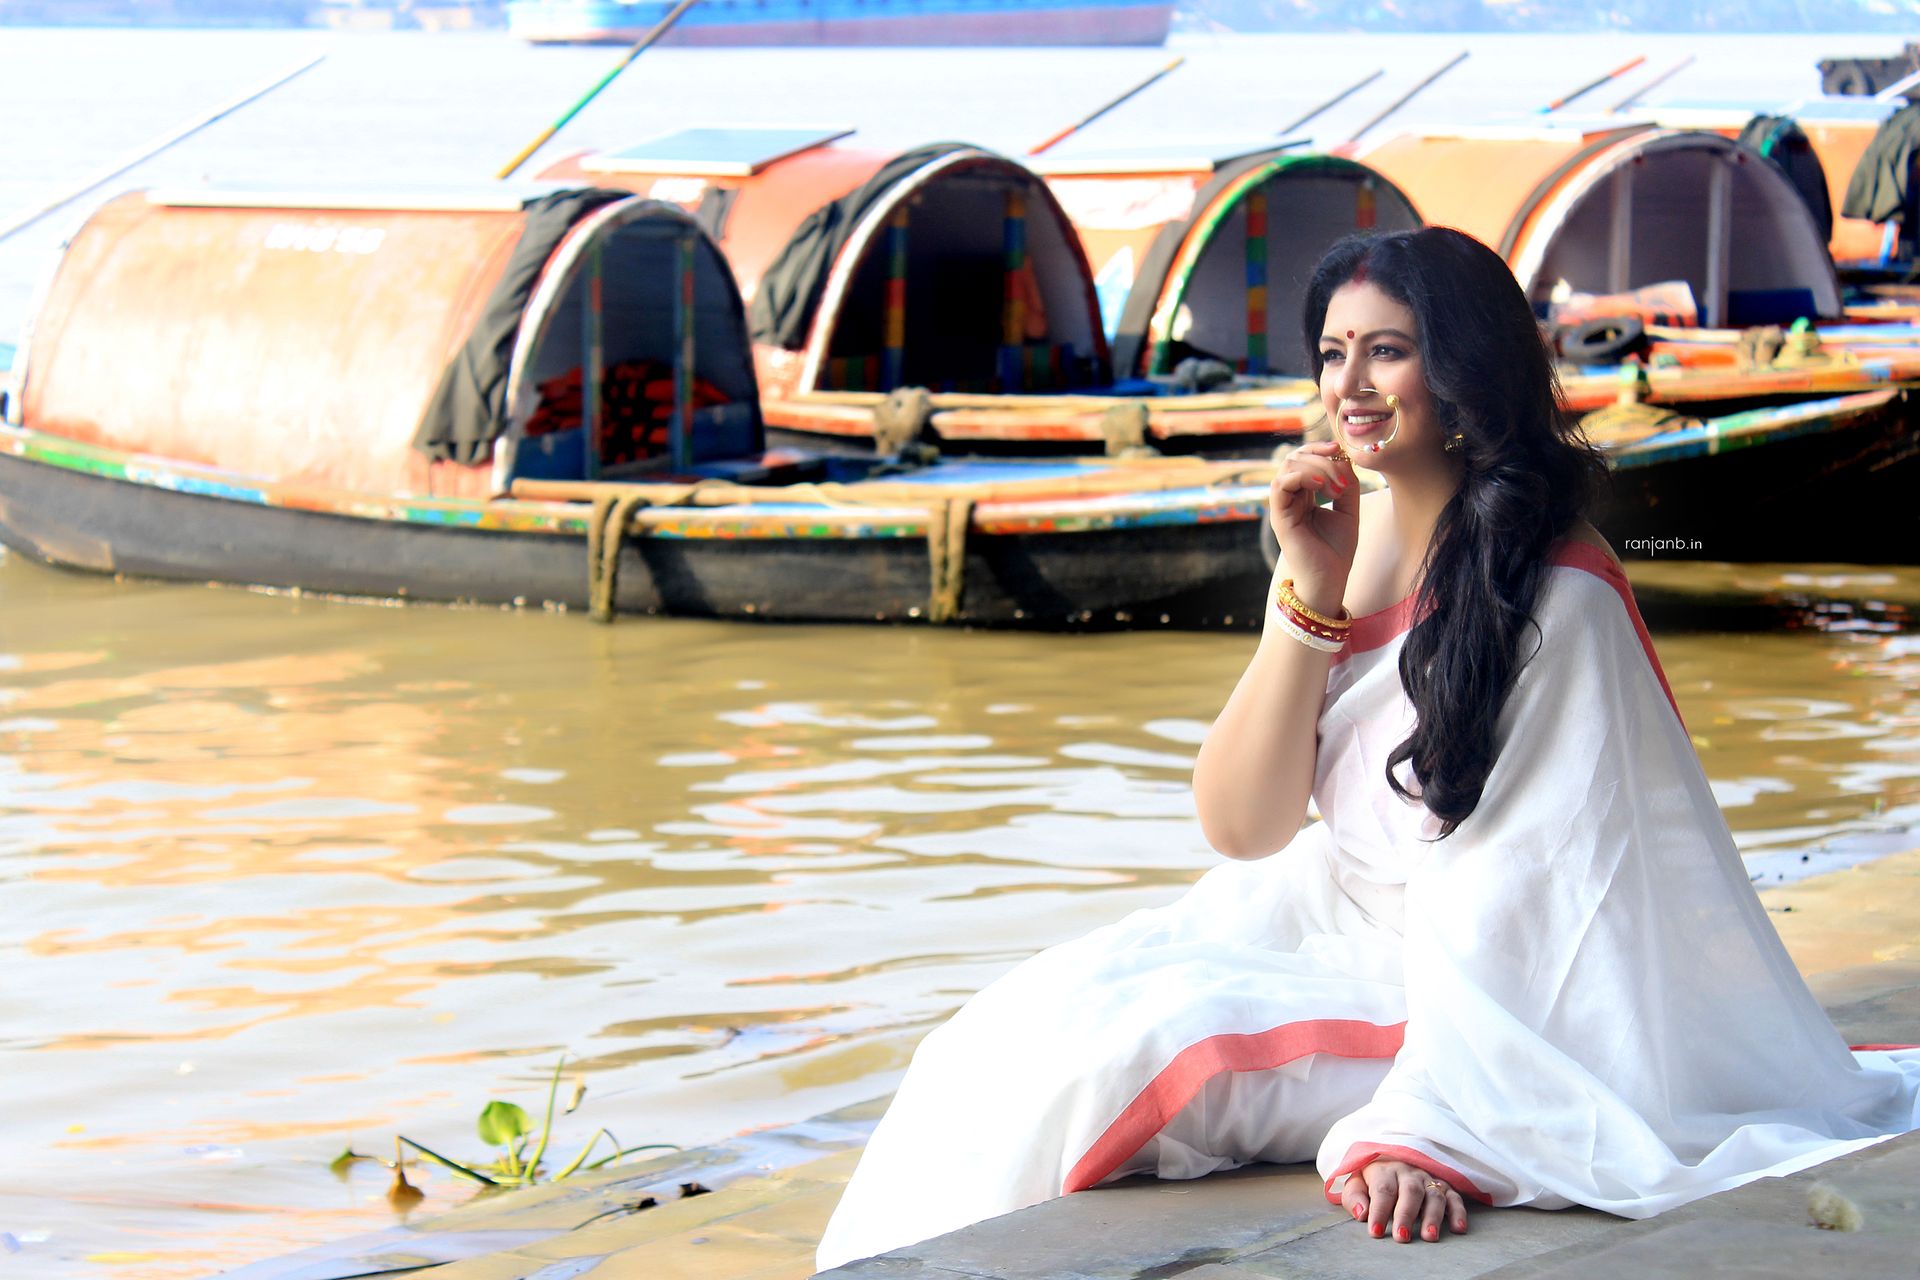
(1528, 475)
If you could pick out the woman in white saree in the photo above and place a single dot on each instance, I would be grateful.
(1518, 962)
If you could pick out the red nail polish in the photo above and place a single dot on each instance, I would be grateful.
(1359, 1212)
(1378, 1229)
(1431, 1233)
(1402, 1234)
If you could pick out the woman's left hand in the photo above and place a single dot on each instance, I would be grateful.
(1391, 1195)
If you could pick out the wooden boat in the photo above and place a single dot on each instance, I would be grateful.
(530, 398)
(1820, 480)
(1604, 208)
(761, 188)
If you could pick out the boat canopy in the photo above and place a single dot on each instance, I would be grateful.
(387, 344)
(1208, 252)
(1838, 129)
(1608, 210)
(947, 267)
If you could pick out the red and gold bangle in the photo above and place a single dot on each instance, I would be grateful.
(1285, 596)
(1310, 627)
(1336, 634)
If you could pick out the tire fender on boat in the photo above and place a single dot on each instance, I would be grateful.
(1603, 340)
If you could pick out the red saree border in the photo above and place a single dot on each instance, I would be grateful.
(1580, 555)
(1372, 630)
(1177, 1083)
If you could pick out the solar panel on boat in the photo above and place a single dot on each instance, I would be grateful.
(1198, 157)
(721, 153)
(504, 197)
(1717, 110)
(1838, 108)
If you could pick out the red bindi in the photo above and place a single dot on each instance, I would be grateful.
(1349, 335)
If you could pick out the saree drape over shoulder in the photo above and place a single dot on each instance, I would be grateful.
(1574, 999)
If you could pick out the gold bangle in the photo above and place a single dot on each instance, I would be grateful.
(1286, 594)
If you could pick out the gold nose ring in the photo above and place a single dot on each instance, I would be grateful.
(1393, 407)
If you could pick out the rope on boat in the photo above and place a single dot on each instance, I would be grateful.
(949, 511)
(947, 525)
(607, 525)
(1771, 347)
(1625, 422)
(1124, 426)
(903, 418)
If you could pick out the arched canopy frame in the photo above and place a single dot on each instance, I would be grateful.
(1204, 248)
(1069, 294)
(1665, 205)
(659, 245)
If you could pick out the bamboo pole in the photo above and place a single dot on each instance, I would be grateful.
(1406, 97)
(1652, 84)
(1072, 129)
(180, 133)
(1898, 87)
(660, 29)
(1332, 102)
(1591, 85)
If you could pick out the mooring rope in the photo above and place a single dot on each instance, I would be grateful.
(947, 525)
(607, 524)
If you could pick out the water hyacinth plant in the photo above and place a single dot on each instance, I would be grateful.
(508, 1127)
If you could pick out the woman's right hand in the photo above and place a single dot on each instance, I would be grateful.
(1316, 543)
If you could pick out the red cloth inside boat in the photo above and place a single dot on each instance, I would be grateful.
(636, 408)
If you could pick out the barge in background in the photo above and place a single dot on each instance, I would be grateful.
(847, 22)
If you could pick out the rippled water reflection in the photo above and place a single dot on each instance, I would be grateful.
(283, 874)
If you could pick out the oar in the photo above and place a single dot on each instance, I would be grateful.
(1072, 129)
(1652, 84)
(660, 29)
(1591, 85)
(1331, 103)
(1898, 87)
(1403, 100)
(155, 147)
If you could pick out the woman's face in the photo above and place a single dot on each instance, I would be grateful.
(1370, 349)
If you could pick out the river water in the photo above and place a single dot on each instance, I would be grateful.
(281, 875)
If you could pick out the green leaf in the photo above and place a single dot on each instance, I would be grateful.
(546, 1126)
(502, 1122)
(345, 1158)
(581, 1158)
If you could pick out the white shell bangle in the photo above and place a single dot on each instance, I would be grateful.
(1299, 633)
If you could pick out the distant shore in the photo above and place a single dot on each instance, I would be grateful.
(1266, 17)
(338, 15)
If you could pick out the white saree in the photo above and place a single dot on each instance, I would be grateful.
(1574, 999)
